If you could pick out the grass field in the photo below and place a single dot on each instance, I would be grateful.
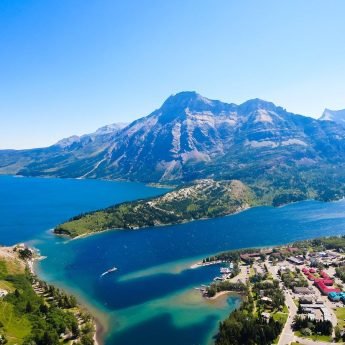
(279, 316)
(325, 338)
(6, 285)
(16, 328)
(340, 313)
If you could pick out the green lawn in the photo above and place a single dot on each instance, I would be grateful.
(325, 338)
(6, 285)
(279, 316)
(16, 328)
(340, 313)
(285, 309)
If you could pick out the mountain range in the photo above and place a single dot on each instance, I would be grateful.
(281, 156)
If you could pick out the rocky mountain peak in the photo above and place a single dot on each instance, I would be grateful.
(256, 104)
(190, 102)
(112, 128)
(185, 99)
(334, 115)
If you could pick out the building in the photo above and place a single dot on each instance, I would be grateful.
(336, 296)
(266, 299)
(306, 300)
(324, 310)
(266, 316)
(3, 293)
(295, 260)
(302, 290)
(326, 314)
(311, 316)
(323, 284)
(325, 290)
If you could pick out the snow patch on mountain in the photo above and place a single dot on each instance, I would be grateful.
(334, 115)
(263, 116)
(66, 142)
(176, 133)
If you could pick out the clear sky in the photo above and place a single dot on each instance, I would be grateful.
(70, 66)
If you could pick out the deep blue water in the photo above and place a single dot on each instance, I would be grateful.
(150, 299)
(29, 206)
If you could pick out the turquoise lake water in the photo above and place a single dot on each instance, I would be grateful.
(150, 299)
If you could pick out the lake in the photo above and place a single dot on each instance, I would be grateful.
(151, 298)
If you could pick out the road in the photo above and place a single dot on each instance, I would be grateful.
(287, 335)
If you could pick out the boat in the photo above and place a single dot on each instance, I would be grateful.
(113, 269)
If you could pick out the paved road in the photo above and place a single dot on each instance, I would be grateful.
(287, 335)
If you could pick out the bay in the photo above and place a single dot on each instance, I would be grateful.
(150, 299)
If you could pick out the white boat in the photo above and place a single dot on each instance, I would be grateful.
(113, 269)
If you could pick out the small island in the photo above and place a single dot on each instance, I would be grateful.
(203, 199)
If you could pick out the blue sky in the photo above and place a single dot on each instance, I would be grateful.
(70, 66)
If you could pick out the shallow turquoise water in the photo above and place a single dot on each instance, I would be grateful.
(150, 299)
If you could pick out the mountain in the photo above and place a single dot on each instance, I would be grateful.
(202, 199)
(282, 156)
(337, 116)
(64, 159)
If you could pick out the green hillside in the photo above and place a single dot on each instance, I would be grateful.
(203, 199)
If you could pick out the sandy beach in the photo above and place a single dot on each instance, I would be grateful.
(219, 294)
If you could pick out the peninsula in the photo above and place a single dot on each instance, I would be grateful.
(203, 199)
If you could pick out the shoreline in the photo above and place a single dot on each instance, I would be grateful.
(98, 337)
(100, 326)
(68, 237)
(219, 294)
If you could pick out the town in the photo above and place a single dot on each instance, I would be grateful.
(309, 275)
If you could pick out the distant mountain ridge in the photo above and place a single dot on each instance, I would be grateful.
(334, 115)
(282, 156)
